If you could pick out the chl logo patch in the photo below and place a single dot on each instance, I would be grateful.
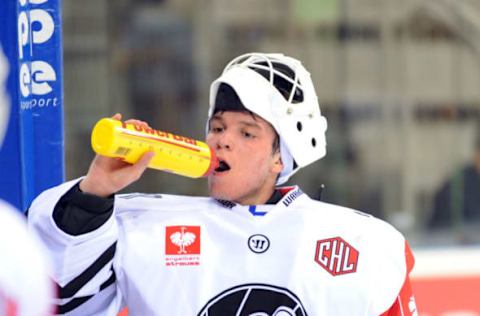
(182, 245)
(336, 256)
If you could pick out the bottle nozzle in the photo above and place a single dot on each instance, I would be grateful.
(214, 163)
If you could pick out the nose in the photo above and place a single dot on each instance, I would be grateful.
(223, 141)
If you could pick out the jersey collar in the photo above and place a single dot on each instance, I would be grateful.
(283, 197)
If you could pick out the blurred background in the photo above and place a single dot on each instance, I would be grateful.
(397, 80)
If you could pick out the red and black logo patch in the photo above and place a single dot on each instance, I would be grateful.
(336, 256)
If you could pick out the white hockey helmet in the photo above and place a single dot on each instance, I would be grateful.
(279, 89)
(4, 104)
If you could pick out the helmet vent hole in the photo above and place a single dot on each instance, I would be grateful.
(314, 142)
(299, 126)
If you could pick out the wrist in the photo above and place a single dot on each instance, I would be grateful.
(87, 185)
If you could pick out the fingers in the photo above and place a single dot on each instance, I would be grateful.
(138, 123)
(137, 169)
(107, 176)
(145, 160)
(118, 116)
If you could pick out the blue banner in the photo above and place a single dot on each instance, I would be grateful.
(37, 100)
(10, 172)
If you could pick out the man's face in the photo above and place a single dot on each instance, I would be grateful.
(249, 167)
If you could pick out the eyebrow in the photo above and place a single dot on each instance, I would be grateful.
(246, 123)
(250, 124)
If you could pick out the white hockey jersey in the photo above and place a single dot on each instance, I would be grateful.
(25, 288)
(181, 256)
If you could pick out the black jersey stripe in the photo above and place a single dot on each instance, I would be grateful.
(77, 283)
(65, 308)
(109, 281)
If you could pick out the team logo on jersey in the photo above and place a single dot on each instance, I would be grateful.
(258, 243)
(254, 300)
(182, 245)
(227, 204)
(336, 256)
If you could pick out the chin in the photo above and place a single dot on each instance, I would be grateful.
(221, 192)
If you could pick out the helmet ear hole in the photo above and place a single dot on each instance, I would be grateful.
(314, 142)
(299, 126)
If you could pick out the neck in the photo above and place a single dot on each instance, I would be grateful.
(256, 200)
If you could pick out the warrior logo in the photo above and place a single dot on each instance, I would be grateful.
(258, 243)
(254, 300)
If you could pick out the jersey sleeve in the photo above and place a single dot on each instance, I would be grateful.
(78, 213)
(389, 263)
(404, 304)
(83, 256)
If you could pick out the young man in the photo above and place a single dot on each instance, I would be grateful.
(25, 289)
(251, 248)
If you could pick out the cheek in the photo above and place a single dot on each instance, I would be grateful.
(209, 140)
(257, 161)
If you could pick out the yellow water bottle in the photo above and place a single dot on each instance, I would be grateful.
(173, 153)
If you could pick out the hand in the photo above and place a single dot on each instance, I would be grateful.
(107, 175)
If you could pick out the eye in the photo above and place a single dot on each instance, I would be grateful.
(216, 129)
(247, 135)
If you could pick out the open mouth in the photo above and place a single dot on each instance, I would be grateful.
(222, 166)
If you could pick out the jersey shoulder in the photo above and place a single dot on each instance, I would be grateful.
(383, 253)
(148, 203)
(353, 221)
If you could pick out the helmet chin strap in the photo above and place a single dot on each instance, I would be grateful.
(287, 161)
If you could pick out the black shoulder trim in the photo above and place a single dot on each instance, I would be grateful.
(77, 283)
(79, 213)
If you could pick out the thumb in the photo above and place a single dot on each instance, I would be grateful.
(136, 170)
(143, 162)
(131, 173)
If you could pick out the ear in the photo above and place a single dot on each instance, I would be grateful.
(277, 165)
